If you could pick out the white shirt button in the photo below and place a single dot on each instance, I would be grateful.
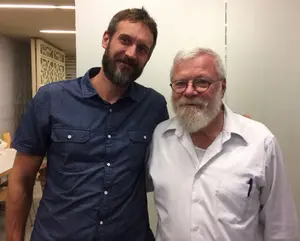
(145, 137)
(108, 164)
(110, 110)
(69, 137)
(101, 222)
(195, 229)
(108, 136)
(105, 192)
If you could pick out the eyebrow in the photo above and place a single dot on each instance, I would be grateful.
(209, 79)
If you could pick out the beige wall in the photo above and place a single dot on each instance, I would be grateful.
(181, 25)
(15, 81)
(264, 74)
(70, 67)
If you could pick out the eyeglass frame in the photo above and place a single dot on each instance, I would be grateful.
(208, 80)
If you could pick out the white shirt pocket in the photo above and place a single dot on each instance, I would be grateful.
(232, 200)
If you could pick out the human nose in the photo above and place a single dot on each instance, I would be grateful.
(190, 90)
(131, 51)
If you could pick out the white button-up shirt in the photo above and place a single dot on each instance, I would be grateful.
(237, 192)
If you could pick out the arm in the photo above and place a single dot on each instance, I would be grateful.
(149, 183)
(31, 141)
(19, 199)
(163, 115)
(278, 214)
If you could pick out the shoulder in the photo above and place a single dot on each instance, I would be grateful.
(61, 85)
(150, 93)
(59, 88)
(165, 126)
(253, 131)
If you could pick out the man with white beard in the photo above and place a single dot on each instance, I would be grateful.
(216, 175)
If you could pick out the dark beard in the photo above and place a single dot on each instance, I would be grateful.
(121, 78)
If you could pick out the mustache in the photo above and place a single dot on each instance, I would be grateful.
(185, 101)
(127, 60)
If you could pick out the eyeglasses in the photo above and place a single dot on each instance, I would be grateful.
(199, 84)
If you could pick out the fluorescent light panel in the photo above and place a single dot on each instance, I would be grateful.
(35, 6)
(59, 31)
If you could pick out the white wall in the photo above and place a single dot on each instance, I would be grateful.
(181, 25)
(15, 81)
(264, 74)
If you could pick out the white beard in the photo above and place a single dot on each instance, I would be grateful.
(195, 114)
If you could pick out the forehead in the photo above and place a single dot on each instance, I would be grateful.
(202, 65)
(136, 30)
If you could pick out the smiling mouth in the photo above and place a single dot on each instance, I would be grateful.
(192, 105)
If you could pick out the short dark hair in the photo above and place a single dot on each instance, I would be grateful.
(134, 15)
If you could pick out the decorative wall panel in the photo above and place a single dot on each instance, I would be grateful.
(49, 64)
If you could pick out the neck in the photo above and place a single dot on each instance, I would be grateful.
(204, 137)
(106, 89)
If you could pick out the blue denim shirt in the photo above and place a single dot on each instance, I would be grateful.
(95, 182)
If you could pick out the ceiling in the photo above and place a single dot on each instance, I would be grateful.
(26, 23)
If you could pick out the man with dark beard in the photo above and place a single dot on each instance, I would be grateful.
(95, 131)
(217, 175)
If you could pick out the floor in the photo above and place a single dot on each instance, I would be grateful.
(36, 196)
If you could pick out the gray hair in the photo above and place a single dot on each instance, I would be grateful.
(184, 55)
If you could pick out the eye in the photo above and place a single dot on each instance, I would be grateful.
(179, 84)
(142, 49)
(202, 83)
(125, 40)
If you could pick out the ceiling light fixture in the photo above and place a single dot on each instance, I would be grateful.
(59, 31)
(35, 6)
